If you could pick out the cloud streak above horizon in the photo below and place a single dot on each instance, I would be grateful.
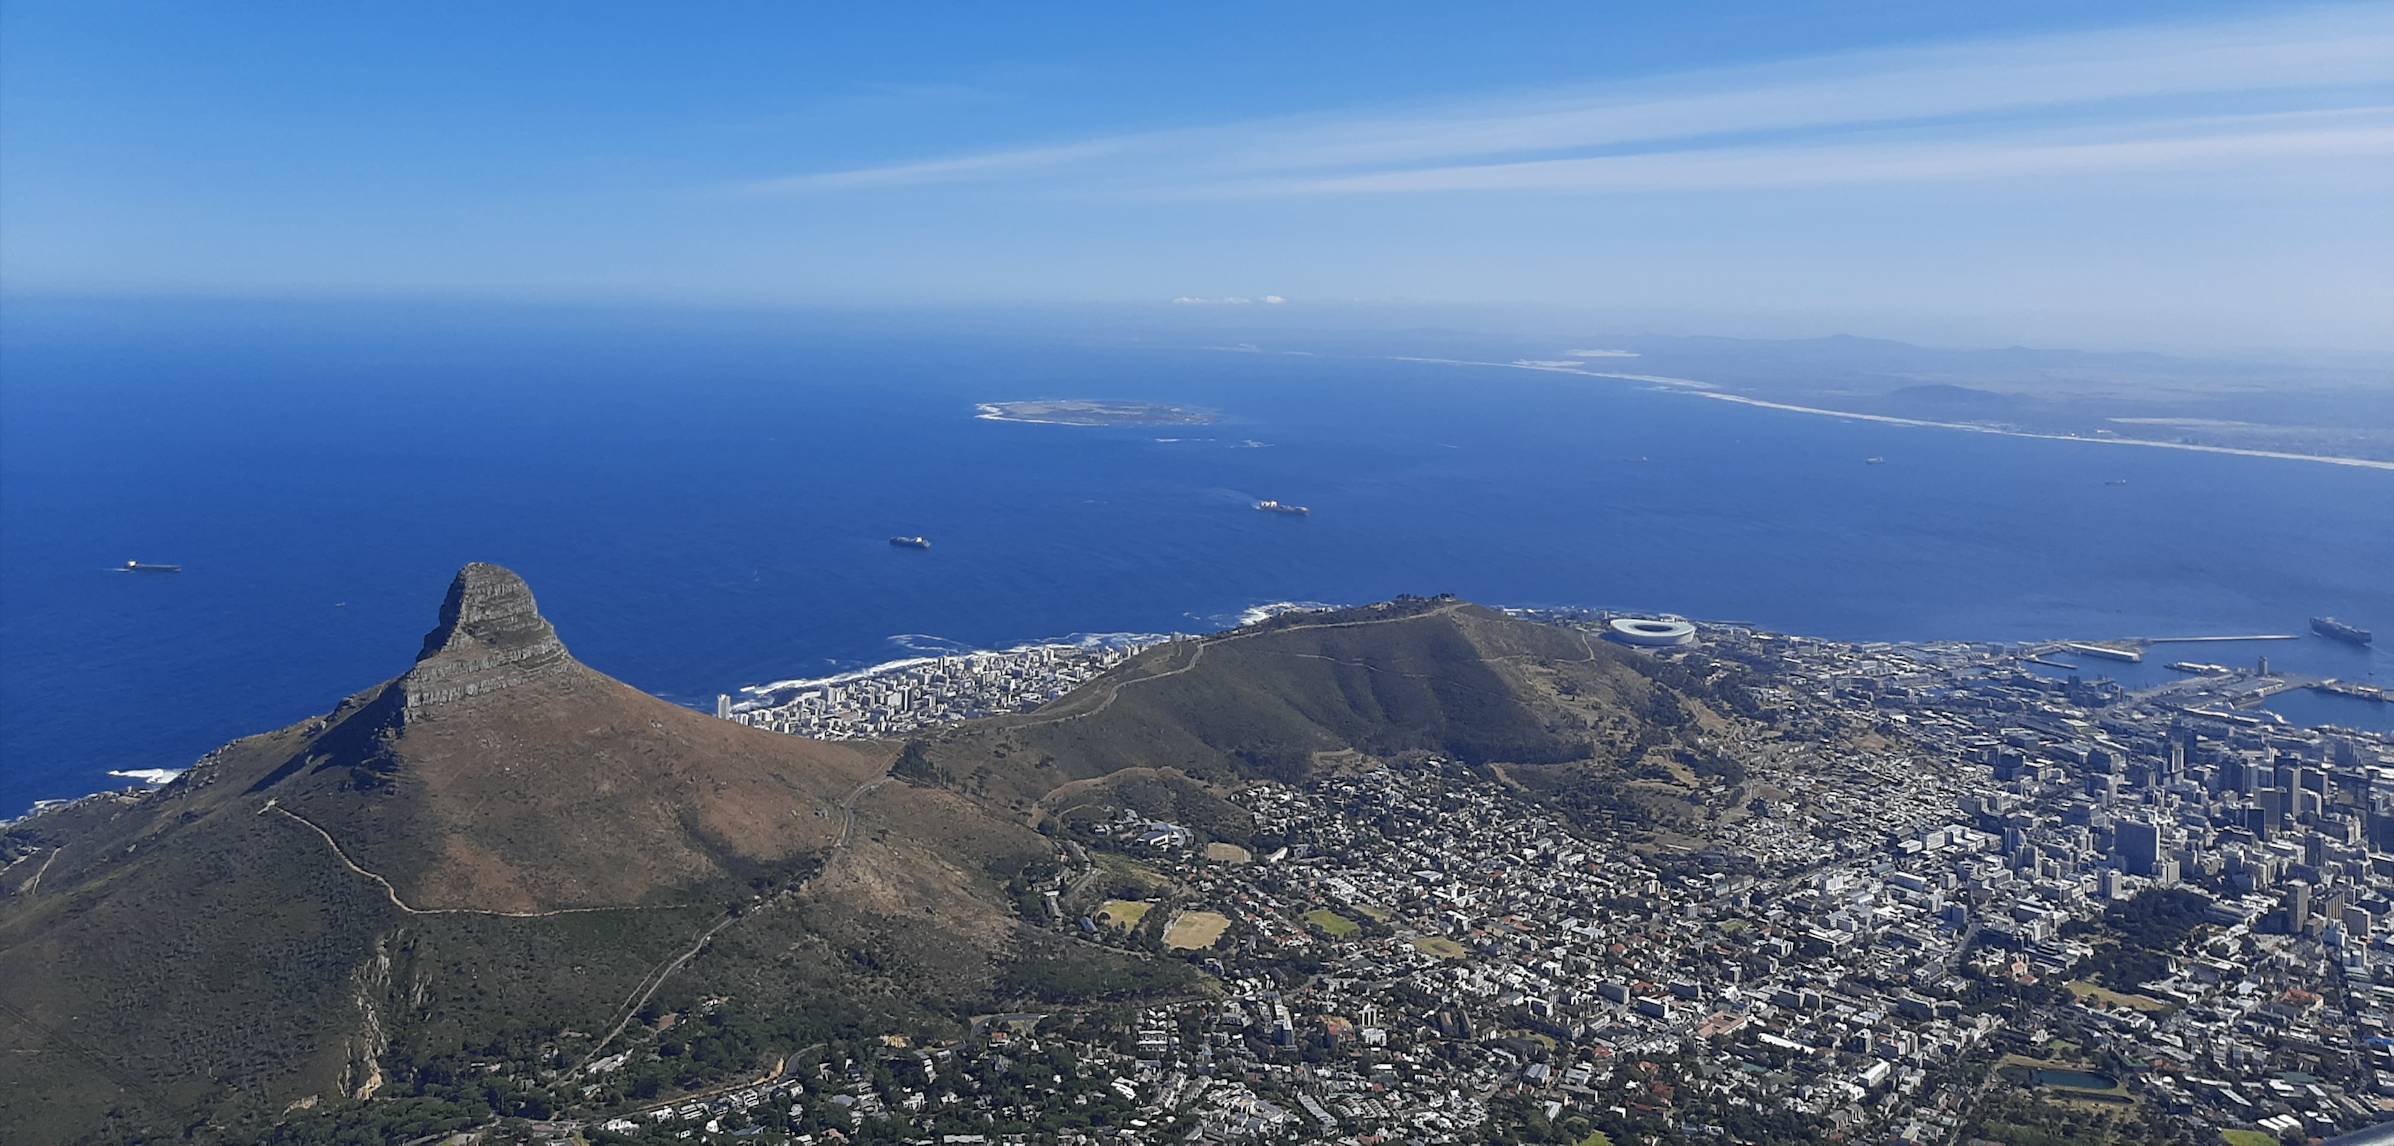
(2128, 99)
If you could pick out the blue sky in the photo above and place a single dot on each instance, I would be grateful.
(2184, 176)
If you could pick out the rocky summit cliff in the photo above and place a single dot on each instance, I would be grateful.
(491, 638)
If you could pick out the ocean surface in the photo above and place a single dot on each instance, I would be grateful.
(703, 501)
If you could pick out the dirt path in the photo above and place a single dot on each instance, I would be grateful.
(651, 983)
(34, 884)
(1113, 689)
(393, 893)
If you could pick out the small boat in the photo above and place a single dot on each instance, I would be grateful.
(1874, 461)
(150, 567)
(2117, 481)
(911, 542)
(1270, 506)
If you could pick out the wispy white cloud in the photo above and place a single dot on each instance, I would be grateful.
(1944, 111)
(1227, 300)
(2243, 142)
(977, 167)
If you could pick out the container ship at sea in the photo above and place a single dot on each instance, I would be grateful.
(1269, 506)
(911, 542)
(2334, 629)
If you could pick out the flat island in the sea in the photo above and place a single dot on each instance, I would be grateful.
(1094, 412)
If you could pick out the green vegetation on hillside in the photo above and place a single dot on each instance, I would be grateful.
(1424, 676)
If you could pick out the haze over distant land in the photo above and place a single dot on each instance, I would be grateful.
(2135, 175)
(2336, 407)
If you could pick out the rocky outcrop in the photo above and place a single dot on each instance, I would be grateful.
(491, 638)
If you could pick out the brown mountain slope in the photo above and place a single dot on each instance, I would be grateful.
(500, 774)
(496, 847)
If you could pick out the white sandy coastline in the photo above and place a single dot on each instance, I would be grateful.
(1971, 427)
(1709, 390)
(1550, 366)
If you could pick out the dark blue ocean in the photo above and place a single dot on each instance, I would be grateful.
(703, 501)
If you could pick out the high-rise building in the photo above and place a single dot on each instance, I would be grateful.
(2297, 901)
(2271, 811)
(2136, 845)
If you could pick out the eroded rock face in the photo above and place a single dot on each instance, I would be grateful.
(491, 637)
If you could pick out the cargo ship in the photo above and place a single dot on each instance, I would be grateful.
(1269, 506)
(2334, 629)
(911, 542)
(2201, 667)
(150, 567)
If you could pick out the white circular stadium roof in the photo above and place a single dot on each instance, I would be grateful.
(1652, 630)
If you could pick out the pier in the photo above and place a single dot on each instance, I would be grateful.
(2369, 692)
(2131, 649)
(2207, 640)
(2261, 689)
(2108, 652)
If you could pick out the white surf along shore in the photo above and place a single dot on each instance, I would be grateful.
(754, 695)
(757, 694)
(151, 776)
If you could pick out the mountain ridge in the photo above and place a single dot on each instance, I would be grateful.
(502, 850)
